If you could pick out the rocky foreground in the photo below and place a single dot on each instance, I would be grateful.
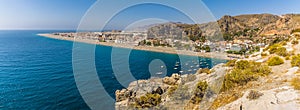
(269, 82)
(203, 91)
(175, 92)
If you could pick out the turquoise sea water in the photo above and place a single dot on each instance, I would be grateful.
(36, 72)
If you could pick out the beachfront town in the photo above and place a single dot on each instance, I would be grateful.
(242, 45)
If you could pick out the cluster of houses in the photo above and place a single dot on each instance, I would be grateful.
(132, 38)
(141, 39)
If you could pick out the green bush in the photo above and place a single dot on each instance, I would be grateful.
(273, 48)
(287, 58)
(295, 30)
(243, 72)
(199, 92)
(278, 49)
(243, 64)
(274, 61)
(281, 51)
(296, 60)
(149, 43)
(147, 101)
(204, 70)
(295, 82)
(231, 63)
(283, 43)
(295, 42)
(172, 89)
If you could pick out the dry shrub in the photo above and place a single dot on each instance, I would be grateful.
(254, 95)
(295, 82)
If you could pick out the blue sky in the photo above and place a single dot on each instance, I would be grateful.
(67, 14)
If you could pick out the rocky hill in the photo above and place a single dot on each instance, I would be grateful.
(251, 25)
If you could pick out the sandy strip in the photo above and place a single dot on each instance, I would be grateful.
(145, 48)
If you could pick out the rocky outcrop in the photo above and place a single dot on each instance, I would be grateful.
(275, 94)
(174, 79)
(202, 90)
(174, 92)
(283, 98)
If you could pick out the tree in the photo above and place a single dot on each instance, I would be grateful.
(143, 42)
(207, 48)
(149, 43)
(227, 37)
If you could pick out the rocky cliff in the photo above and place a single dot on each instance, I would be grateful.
(175, 92)
(251, 25)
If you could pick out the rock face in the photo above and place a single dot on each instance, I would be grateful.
(199, 91)
(276, 95)
(283, 98)
(175, 92)
(172, 80)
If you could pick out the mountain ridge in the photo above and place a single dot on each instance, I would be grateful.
(247, 25)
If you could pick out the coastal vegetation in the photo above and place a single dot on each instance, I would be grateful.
(231, 63)
(244, 72)
(225, 98)
(278, 49)
(287, 58)
(295, 30)
(295, 42)
(172, 89)
(274, 61)
(199, 92)
(295, 82)
(253, 94)
(240, 37)
(296, 60)
(148, 101)
(204, 70)
(237, 78)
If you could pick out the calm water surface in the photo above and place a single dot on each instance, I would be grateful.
(36, 72)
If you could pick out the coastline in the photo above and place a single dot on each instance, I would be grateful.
(167, 50)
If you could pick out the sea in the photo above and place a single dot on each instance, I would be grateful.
(38, 72)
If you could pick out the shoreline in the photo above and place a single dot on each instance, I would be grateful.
(167, 50)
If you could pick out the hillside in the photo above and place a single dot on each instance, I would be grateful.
(249, 26)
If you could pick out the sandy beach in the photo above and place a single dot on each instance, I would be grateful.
(144, 48)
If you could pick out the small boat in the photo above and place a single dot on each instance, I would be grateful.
(180, 71)
(159, 73)
(195, 69)
(197, 65)
(176, 65)
(161, 66)
(189, 70)
(192, 66)
(175, 68)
